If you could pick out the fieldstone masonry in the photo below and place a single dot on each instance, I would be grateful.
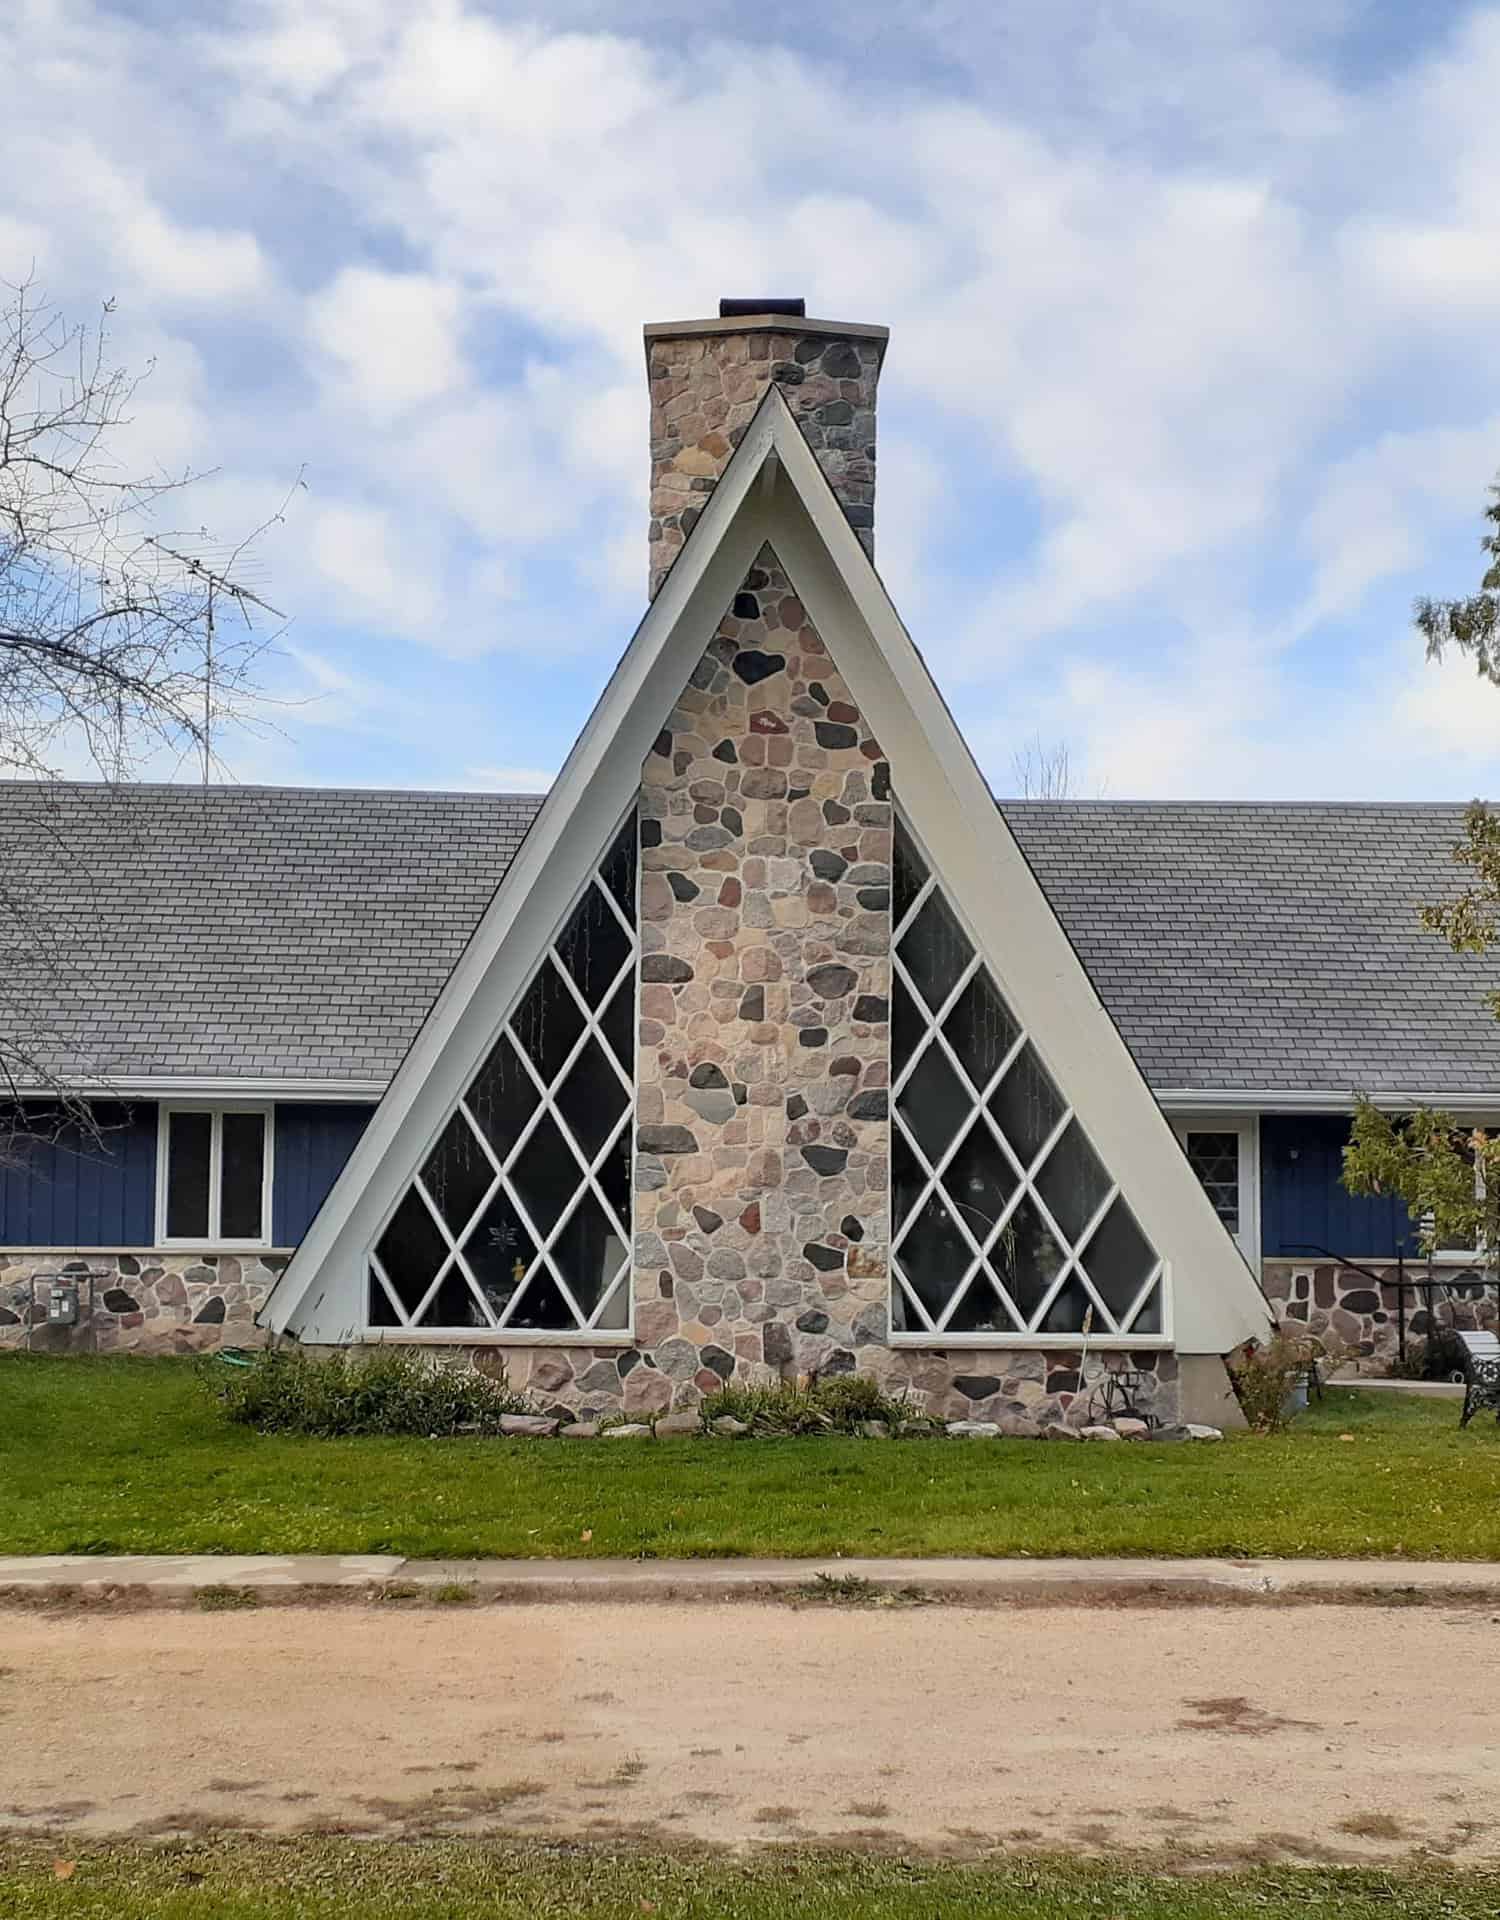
(762, 1131)
(147, 1303)
(1356, 1311)
(763, 1135)
(705, 387)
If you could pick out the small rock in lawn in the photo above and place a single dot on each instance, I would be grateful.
(1131, 1429)
(875, 1429)
(917, 1429)
(536, 1425)
(1055, 1430)
(631, 1430)
(975, 1429)
(731, 1428)
(1097, 1433)
(678, 1423)
(1170, 1432)
(1018, 1426)
(1201, 1433)
(581, 1430)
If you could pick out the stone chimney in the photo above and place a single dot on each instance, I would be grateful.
(708, 376)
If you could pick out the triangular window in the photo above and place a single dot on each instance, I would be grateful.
(1005, 1224)
(518, 1218)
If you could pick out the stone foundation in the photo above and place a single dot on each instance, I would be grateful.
(949, 1383)
(1346, 1306)
(148, 1303)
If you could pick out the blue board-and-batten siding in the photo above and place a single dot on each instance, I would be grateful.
(75, 1192)
(72, 1191)
(312, 1143)
(1303, 1200)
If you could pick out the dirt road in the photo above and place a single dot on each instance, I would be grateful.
(1312, 1732)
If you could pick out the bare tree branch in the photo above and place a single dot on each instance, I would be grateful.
(113, 650)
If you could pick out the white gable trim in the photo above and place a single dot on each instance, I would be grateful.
(1217, 1303)
(320, 1296)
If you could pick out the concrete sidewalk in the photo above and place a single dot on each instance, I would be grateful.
(169, 1577)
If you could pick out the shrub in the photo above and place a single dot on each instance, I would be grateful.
(1265, 1376)
(389, 1390)
(835, 1403)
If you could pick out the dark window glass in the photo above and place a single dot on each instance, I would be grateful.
(457, 1173)
(411, 1250)
(500, 1252)
(453, 1305)
(934, 1256)
(591, 1098)
(1215, 1158)
(618, 869)
(614, 1177)
(382, 1313)
(1026, 1259)
(907, 1178)
(546, 1175)
(618, 1025)
(935, 950)
(503, 1097)
(1068, 1310)
(189, 1146)
(588, 1253)
(1073, 1182)
(933, 1103)
(981, 1030)
(1026, 1105)
(593, 946)
(242, 1175)
(542, 1304)
(548, 1022)
(1148, 1320)
(1118, 1259)
(979, 1180)
(907, 1026)
(542, 1188)
(980, 1309)
(908, 874)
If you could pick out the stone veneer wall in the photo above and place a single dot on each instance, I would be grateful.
(761, 1199)
(149, 1303)
(1347, 1306)
(704, 392)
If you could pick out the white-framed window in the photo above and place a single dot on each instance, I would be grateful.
(213, 1175)
(1223, 1150)
(517, 1222)
(1006, 1227)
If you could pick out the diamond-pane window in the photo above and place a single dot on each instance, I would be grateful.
(519, 1218)
(1006, 1224)
(1215, 1158)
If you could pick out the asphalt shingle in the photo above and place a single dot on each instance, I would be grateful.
(304, 932)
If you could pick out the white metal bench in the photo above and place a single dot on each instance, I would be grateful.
(1481, 1370)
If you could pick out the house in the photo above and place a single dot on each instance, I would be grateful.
(764, 1041)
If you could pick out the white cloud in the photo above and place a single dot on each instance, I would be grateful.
(1183, 315)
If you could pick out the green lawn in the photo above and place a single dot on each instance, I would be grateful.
(462, 1880)
(131, 1456)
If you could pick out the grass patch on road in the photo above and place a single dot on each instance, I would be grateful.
(119, 1455)
(343, 1880)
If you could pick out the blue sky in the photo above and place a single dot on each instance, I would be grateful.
(1191, 384)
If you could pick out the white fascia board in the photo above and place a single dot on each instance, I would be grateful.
(320, 1294)
(1341, 1100)
(209, 1089)
(1217, 1302)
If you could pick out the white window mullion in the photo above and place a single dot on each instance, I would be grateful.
(215, 1175)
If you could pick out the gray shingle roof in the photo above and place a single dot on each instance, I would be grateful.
(248, 931)
(1249, 946)
(303, 933)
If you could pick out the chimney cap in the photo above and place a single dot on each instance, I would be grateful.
(742, 309)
